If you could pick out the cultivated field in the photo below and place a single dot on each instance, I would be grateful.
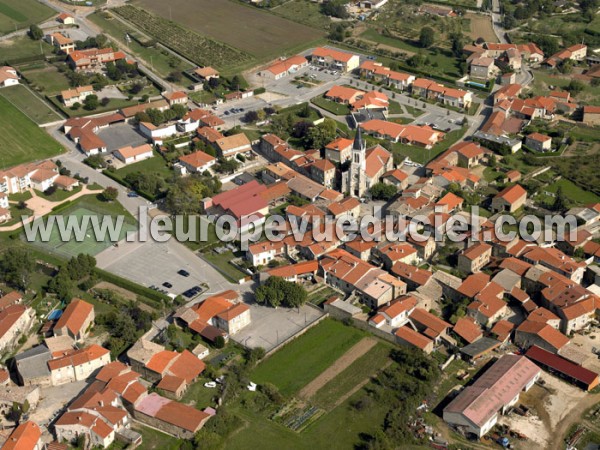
(22, 140)
(256, 32)
(29, 104)
(21, 13)
(481, 26)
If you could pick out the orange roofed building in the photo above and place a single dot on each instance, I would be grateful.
(76, 320)
(219, 315)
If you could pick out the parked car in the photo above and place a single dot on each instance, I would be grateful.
(210, 384)
(167, 285)
(183, 273)
(132, 194)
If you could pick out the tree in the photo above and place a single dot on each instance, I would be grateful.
(219, 342)
(175, 76)
(276, 291)
(91, 102)
(335, 8)
(250, 116)
(575, 87)
(16, 267)
(382, 191)
(427, 37)
(272, 393)
(35, 32)
(110, 194)
(321, 135)
(225, 165)
(179, 111)
(62, 285)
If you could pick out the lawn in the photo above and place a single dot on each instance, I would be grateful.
(222, 264)
(200, 396)
(441, 60)
(155, 164)
(319, 295)
(155, 440)
(22, 140)
(23, 47)
(58, 195)
(415, 112)
(303, 359)
(22, 13)
(395, 108)
(573, 192)
(113, 104)
(338, 109)
(421, 155)
(47, 79)
(29, 104)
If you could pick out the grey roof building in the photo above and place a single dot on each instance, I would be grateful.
(32, 366)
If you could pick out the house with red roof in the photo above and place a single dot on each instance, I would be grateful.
(261, 253)
(77, 365)
(284, 67)
(509, 199)
(350, 274)
(538, 142)
(26, 436)
(221, 314)
(339, 150)
(395, 313)
(197, 162)
(334, 59)
(76, 320)
(15, 321)
(418, 135)
(475, 257)
(407, 336)
(175, 98)
(591, 115)
(541, 334)
(467, 329)
(130, 155)
(429, 325)
(93, 59)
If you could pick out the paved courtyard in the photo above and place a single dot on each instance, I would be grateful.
(121, 135)
(272, 326)
(53, 399)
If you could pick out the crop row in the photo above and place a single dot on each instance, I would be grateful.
(195, 47)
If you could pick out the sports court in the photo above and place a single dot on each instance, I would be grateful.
(89, 245)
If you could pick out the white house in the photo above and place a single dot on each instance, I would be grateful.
(158, 133)
(131, 154)
(3, 200)
(76, 95)
(8, 76)
(43, 179)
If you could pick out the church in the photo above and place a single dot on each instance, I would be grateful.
(366, 166)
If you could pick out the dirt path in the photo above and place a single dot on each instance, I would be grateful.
(357, 388)
(558, 432)
(358, 350)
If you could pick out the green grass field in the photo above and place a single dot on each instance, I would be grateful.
(151, 165)
(29, 104)
(23, 47)
(338, 109)
(48, 79)
(86, 206)
(22, 140)
(303, 359)
(573, 192)
(21, 14)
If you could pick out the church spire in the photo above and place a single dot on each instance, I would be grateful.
(359, 144)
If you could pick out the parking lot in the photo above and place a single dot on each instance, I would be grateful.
(121, 135)
(272, 326)
(442, 122)
(152, 264)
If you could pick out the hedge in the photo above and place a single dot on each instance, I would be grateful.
(112, 176)
(152, 298)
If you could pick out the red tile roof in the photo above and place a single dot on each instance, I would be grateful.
(512, 193)
(75, 315)
(25, 437)
(467, 329)
(564, 366)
